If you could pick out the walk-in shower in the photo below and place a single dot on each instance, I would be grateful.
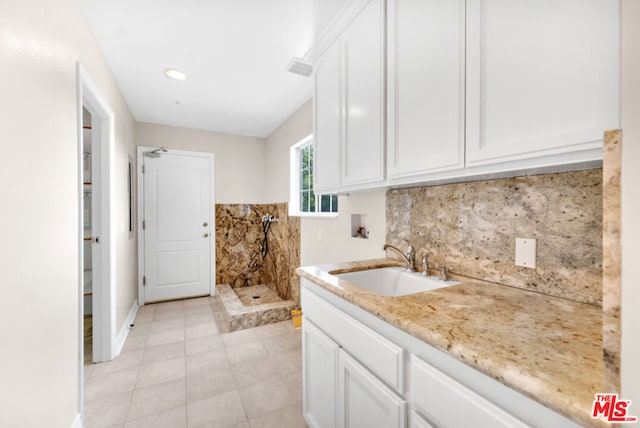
(256, 256)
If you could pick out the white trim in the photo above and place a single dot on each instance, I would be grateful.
(80, 190)
(141, 217)
(139, 220)
(324, 215)
(294, 175)
(124, 329)
(89, 96)
(77, 421)
(294, 182)
(103, 275)
(342, 19)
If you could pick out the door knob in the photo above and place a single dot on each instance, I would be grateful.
(205, 224)
(206, 235)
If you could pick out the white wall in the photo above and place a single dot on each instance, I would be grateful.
(240, 161)
(323, 240)
(40, 42)
(329, 240)
(630, 203)
(298, 126)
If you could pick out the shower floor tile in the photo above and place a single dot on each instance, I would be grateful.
(243, 311)
(257, 295)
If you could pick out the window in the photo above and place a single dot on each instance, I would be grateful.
(304, 201)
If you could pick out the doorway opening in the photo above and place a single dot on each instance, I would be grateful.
(96, 254)
(87, 240)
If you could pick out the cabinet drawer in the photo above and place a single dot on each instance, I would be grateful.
(447, 403)
(378, 354)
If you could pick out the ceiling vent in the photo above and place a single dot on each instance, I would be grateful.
(300, 66)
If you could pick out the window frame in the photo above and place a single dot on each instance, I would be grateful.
(294, 179)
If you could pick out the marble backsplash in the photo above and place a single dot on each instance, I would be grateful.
(471, 228)
(612, 263)
(239, 239)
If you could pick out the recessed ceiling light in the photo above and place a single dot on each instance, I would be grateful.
(175, 74)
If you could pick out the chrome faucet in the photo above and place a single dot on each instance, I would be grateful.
(408, 256)
(425, 264)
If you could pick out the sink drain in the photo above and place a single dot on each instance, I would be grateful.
(256, 297)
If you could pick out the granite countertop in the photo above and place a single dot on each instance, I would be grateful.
(548, 348)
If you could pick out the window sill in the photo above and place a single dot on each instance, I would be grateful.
(315, 215)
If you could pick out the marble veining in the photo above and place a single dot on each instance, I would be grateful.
(548, 348)
(471, 229)
(611, 281)
(239, 239)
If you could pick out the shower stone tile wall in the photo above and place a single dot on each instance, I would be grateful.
(238, 245)
(471, 229)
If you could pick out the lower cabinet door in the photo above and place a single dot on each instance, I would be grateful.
(416, 421)
(364, 401)
(447, 403)
(319, 380)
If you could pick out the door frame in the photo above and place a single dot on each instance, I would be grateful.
(141, 215)
(103, 279)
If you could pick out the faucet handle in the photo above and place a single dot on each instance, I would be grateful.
(444, 276)
(425, 264)
(410, 256)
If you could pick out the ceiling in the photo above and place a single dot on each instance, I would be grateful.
(234, 53)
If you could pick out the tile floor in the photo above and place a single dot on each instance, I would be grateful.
(179, 368)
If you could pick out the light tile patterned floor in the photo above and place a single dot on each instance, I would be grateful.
(179, 368)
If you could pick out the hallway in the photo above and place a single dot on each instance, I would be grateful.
(180, 368)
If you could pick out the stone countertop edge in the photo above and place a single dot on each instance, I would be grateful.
(548, 348)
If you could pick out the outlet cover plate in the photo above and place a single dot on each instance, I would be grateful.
(526, 252)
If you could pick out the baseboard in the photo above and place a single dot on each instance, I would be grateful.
(124, 330)
(77, 422)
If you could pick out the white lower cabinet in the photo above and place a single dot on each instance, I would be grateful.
(416, 421)
(440, 398)
(359, 371)
(363, 400)
(319, 382)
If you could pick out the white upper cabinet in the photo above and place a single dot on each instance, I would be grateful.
(425, 86)
(349, 104)
(363, 144)
(473, 88)
(542, 81)
(327, 111)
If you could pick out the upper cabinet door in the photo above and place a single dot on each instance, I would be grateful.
(327, 111)
(425, 86)
(542, 80)
(363, 44)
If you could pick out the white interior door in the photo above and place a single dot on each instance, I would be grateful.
(177, 219)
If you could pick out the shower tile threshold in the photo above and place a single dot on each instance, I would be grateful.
(243, 311)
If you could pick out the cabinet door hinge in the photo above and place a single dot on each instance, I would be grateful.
(143, 170)
(144, 280)
(144, 224)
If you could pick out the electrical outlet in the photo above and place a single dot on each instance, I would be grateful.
(526, 252)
